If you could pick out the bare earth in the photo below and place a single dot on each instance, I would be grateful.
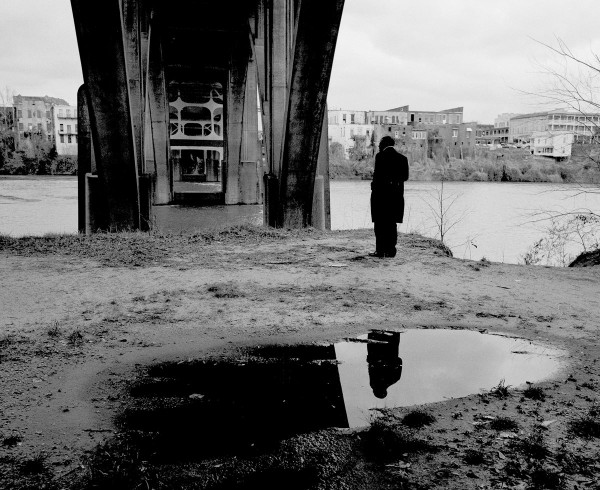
(74, 330)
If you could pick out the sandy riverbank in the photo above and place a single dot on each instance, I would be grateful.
(80, 315)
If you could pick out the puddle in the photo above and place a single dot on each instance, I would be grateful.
(211, 407)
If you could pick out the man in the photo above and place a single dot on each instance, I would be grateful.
(387, 196)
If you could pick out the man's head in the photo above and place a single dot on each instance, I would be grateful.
(385, 142)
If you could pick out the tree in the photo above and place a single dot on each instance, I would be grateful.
(8, 130)
(574, 83)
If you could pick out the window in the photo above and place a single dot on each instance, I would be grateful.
(60, 112)
(19, 113)
(68, 112)
(351, 118)
(29, 113)
(69, 139)
(396, 134)
(21, 128)
(62, 138)
(62, 127)
(48, 116)
(39, 114)
(39, 126)
(455, 133)
(343, 118)
(68, 128)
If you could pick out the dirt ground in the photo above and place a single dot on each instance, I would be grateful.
(79, 319)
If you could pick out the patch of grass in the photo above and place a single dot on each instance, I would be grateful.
(387, 439)
(534, 393)
(533, 446)
(501, 390)
(34, 465)
(225, 290)
(474, 457)
(75, 338)
(546, 479)
(504, 423)
(54, 330)
(587, 427)
(418, 418)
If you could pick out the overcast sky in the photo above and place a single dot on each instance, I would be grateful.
(429, 54)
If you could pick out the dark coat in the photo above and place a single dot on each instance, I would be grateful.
(387, 188)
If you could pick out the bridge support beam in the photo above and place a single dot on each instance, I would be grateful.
(317, 27)
(157, 151)
(100, 38)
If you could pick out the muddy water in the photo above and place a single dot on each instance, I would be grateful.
(210, 407)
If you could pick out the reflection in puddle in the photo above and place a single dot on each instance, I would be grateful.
(440, 364)
(205, 408)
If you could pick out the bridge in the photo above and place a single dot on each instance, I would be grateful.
(170, 97)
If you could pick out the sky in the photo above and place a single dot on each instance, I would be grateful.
(428, 54)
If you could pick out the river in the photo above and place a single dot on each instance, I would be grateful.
(485, 219)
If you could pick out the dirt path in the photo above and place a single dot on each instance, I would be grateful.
(73, 331)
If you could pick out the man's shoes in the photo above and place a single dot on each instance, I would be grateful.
(379, 255)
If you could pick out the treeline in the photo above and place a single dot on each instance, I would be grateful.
(481, 165)
(33, 157)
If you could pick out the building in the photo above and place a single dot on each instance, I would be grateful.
(454, 140)
(388, 117)
(409, 128)
(503, 120)
(64, 124)
(555, 144)
(345, 125)
(447, 116)
(490, 134)
(34, 116)
(583, 126)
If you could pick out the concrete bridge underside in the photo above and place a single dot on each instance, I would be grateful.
(164, 76)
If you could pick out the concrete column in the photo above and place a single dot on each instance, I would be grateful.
(249, 175)
(279, 70)
(132, 45)
(157, 151)
(316, 35)
(321, 214)
(236, 94)
(84, 155)
(100, 39)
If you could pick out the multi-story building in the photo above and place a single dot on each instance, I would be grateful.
(387, 117)
(64, 123)
(583, 126)
(345, 125)
(34, 116)
(490, 134)
(555, 144)
(447, 116)
(410, 128)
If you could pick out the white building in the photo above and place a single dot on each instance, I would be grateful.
(555, 144)
(65, 129)
(345, 125)
(582, 126)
